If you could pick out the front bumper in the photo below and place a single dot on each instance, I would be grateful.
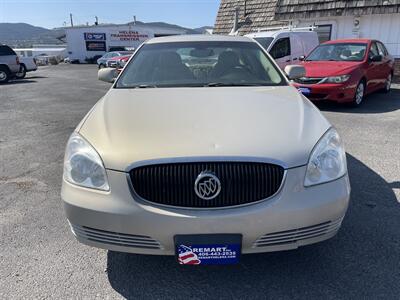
(334, 92)
(296, 216)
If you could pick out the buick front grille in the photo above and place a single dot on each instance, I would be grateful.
(239, 183)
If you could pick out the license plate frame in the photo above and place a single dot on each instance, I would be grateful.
(208, 249)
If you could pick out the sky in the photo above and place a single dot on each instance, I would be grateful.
(54, 13)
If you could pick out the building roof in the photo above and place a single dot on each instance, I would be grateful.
(256, 14)
(198, 38)
(295, 9)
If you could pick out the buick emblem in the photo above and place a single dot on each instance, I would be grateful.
(207, 186)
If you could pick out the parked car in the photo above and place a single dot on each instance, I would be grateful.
(204, 165)
(27, 64)
(9, 63)
(102, 61)
(118, 61)
(346, 70)
(287, 46)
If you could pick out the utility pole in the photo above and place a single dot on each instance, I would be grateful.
(97, 21)
(72, 22)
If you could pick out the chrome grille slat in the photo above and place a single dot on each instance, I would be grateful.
(297, 236)
(87, 229)
(115, 238)
(294, 239)
(302, 230)
(123, 244)
(172, 184)
(292, 236)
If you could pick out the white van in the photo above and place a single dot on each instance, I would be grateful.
(287, 45)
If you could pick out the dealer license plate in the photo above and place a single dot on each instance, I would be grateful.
(304, 91)
(206, 249)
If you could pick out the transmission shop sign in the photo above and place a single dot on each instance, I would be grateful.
(128, 35)
(94, 36)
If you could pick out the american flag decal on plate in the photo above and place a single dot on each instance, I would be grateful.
(186, 256)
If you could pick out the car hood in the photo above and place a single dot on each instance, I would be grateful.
(329, 68)
(272, 123)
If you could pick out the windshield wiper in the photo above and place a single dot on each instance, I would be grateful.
(143, 86)
(216, 84)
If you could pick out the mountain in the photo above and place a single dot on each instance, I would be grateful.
(167, 26)
(203, 30)
(24, 35)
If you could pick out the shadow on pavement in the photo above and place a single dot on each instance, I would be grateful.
(35, 77)
(19, 81)
(362, 261)
(372, 104)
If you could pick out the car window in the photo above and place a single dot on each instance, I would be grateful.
(5, 50)
(338, 52)
(374, 50)
(264, 41)
(281, 48)
(382, 49)
(181, 64)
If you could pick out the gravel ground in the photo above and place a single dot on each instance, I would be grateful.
(39, 257)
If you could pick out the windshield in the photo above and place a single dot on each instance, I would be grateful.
(338, 52)
(264, 41)
(180, 64)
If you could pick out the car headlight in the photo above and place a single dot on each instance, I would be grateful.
(83, 165)
(327, 160)
(337, 79)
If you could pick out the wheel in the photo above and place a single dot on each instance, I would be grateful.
(360, 93)
(101, 66)
(4, 75)
(388, 84)
(22, 73)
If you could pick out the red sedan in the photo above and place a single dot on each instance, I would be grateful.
(118, 61)
(346, 71)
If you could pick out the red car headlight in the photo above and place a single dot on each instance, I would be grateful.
(337, 79)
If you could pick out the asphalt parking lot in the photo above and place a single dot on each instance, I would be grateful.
(39, 257)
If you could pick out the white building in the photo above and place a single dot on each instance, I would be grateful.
(375, 19)
(86, 42)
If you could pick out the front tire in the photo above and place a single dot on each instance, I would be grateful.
(360, 94)
(22, 73)
(4, 75)
(388, 84)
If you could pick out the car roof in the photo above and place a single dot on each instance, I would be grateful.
(348, 41)
(199, 38)
(274, 33)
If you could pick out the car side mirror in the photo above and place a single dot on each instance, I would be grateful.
(302, 58)
(295, 71)
(376, 58)
(107, 75)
